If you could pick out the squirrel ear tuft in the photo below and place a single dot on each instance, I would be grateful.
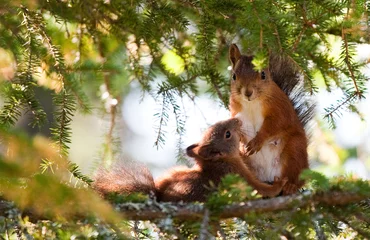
(234, 54)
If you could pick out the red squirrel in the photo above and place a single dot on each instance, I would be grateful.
(273, 123)
(216, 155)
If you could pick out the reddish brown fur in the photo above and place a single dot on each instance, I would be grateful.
(191, 184)
(216, 147)
(279, 118)
(124, 179)
(215, 156)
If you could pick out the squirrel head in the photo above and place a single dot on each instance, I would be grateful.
(219, 142)
(246, 82)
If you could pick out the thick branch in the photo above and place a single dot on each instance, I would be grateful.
(194, 211)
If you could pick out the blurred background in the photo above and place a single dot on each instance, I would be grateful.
(125, 118)
(343, 150)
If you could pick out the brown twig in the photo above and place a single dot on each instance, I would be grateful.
(276, 33)
(349, 99)
(298, 38)
(261, 24)
(217, 89)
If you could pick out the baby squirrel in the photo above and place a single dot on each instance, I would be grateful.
(216, 155)
(273, 117)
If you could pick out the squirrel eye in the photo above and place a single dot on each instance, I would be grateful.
(263, 75)
(234, 76)
(227, 134)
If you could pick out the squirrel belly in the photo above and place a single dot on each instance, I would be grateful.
(264, 163)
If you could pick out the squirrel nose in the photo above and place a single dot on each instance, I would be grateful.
(249, 92)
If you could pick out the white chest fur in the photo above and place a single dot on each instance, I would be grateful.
(265, 163)
(251, 116)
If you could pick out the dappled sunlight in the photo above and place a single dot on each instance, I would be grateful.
(7, 65)
(173, 62)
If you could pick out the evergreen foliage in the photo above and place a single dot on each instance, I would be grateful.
(73, 47)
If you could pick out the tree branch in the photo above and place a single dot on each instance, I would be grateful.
(197, 211)
(347, 58)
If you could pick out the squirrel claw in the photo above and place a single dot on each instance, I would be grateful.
(280, 181)
(244, 150)
(252, 147)
(248, 151)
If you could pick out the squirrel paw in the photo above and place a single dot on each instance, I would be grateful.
(280, 182)
(289, 188)
(252, 147)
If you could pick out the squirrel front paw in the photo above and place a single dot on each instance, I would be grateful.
(280, 182)
(252, 147)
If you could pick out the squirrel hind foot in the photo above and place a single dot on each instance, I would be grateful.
(289, 189)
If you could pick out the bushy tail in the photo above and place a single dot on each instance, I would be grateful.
(289, 78)
(124, 178)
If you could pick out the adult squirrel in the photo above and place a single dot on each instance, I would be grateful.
(216, 155)
(274, 117)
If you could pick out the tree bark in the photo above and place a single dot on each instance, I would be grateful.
(196, 211)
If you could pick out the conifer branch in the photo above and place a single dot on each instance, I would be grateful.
(76, 172)
(204, 234)
(238, 210)
(334, 109)
(295, 45)
(276, 33)
(214, 76)
(163, 118)
(194, 211)
(20, 95)
(304, 71)
(305, 24)
(349, 224)
(348, 63)
(261, 24)
(362, 217)
(180, 126)
(217, 88)
(319, 231)
(63, 116)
